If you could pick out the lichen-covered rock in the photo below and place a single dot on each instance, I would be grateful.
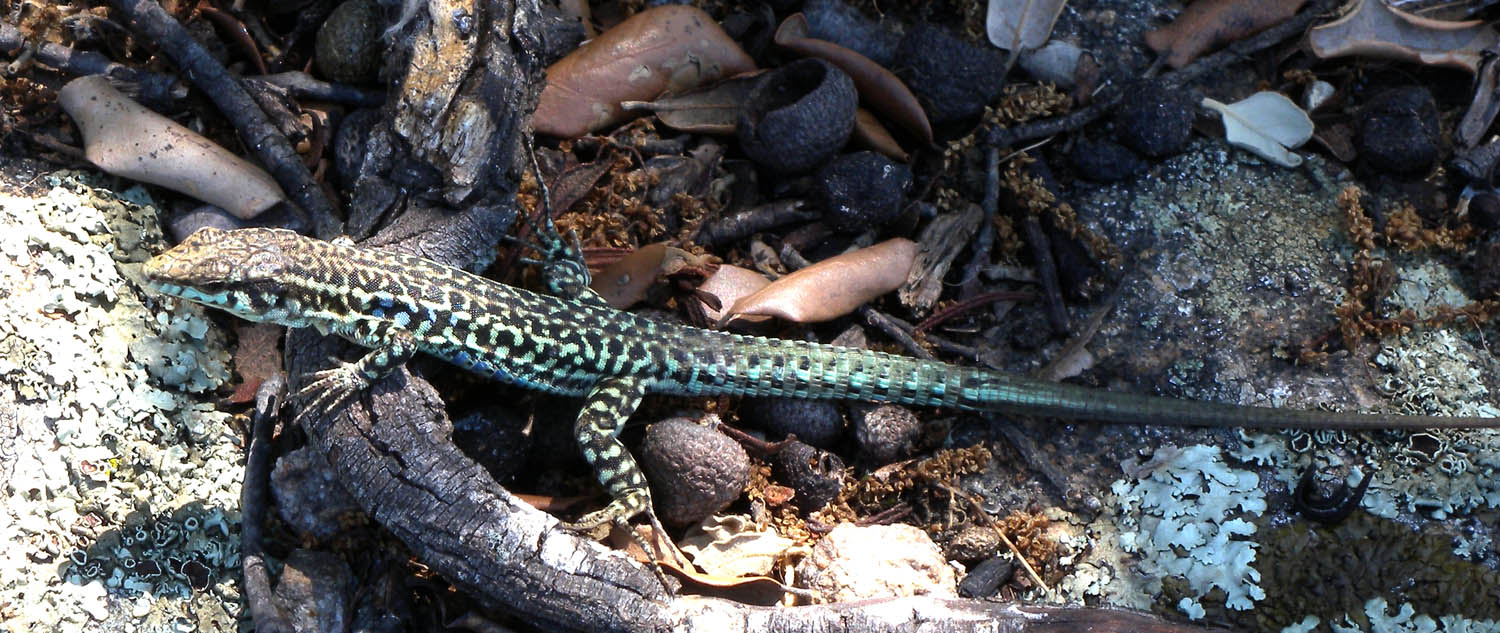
(1184, 513)
(694, 470)
(817, 422)
(119, 483)
(876, 561)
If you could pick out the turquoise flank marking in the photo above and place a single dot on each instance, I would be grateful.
(402, 319)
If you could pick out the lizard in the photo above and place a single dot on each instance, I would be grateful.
(570, 342)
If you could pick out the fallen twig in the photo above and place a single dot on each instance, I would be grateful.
(224, 89)
(150, 88)
(253, 505)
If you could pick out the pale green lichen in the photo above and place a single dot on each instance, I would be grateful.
(1377, 618)
(1183, 512)
(93, 382)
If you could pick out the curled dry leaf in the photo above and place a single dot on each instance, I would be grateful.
(711, 110)
(1017, 25)
(126, 139)
(734, 546)
(1209, 24)
(665, 49)
(878, 88)
(730, 284)
(625, 282)
(871, 134)
(761, 590)
(1266, 123)
(1374, 29)
(835, 286)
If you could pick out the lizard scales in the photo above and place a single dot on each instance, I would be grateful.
(565, 346)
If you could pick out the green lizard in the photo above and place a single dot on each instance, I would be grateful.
(571, 343)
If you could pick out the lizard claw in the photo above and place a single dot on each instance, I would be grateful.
(329, 388)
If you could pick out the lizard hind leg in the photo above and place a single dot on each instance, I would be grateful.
(608, 405)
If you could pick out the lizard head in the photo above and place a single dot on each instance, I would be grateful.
(238, 271)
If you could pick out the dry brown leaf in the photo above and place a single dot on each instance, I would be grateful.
(869, 133)
(711, 110)
(1209, 24)
(625, 282)
(1017, 25)
(730, 284)
(665, 49)
(1376, 30)
(878, 88)
(734, 545)
(256, 358)
(759, 590)
(124, 138)
(835, 286)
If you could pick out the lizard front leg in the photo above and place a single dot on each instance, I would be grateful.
(607, 407)
(392, 347)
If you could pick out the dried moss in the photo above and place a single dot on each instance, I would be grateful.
(1331, 572)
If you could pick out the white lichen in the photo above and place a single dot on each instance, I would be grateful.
(97, 428)
(1183, 513)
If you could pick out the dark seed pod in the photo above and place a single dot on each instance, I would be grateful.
(348, 46)
(886, 432)
(861, 191)
(973, 543)
(695, 471)
(1484, 210)
(1104, 160)
(1399, 130)
(816, 475)
(1486, 263)
(496, 438)
(985, 579)
(952, 78)
(798, 116)
(817, 422)
(1154, 120)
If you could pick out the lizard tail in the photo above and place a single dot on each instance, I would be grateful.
(777, 367)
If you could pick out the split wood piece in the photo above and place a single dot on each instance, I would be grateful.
(943, 239)
(159, 28)
(124, 138)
